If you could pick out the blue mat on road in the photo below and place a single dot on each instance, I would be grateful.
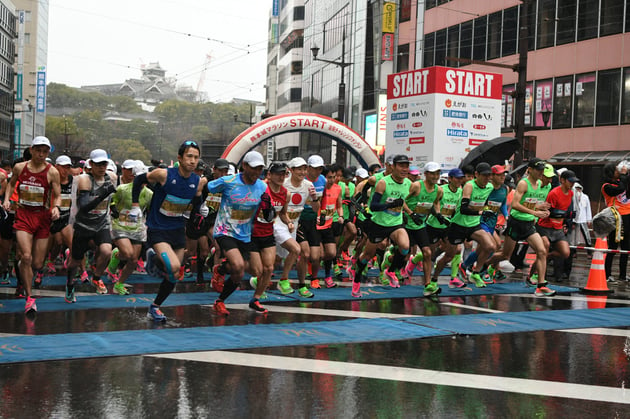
(139, 342)
(527, 321)
(111, 301)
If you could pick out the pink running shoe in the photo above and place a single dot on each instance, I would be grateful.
(456, 283)
(408, 269)
(393, 279)
(140, 267)
(329, 282)
(30, 305)
(50, 267)
(85, 277)
(113, 277)
(356, 290)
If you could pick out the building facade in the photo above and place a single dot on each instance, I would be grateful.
(8, 33)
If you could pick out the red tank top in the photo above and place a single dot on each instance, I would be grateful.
(33, 188)
(263, 228)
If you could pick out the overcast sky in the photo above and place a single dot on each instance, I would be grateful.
(92, 42)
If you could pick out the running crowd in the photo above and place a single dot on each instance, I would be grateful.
(182, 220)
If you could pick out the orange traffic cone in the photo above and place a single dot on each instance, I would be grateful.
(596, 301)
(596, 283)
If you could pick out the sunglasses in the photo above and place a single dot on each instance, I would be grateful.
(191, 143)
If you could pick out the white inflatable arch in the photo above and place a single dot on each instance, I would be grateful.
(291, 122)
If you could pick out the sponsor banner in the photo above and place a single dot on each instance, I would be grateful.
(457, 82)
(387, 47)
(389, 17)
(41, 91)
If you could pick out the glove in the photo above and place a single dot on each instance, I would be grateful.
(109, 189)
(488, 214)
(204, 210)
(134, 215)
(418, 218)
(396, 203)
(266, 209)
(442, 219)
(114, 211)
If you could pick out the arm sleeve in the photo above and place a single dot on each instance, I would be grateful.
(504, 209)
(376, 205)
(87, 201)
(137, 187)
(465, 209)
(612, 189)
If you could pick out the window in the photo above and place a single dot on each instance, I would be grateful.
(611, 17)
(510, 31)
(296, 94)
(625, 104)
(567, 10)
(584, 103)
(403, 58)
(479, 38)
(465, 40)
(298, 13)
(507, 107)
(531, 24)
(335, 29)
(452, 49)
(529, 87)
(430, 4)
(587, 19)
(405, 10)
(542, 101)
(494, 35)
(440, 47)
(608, 92)
(546, 23)
(429, 50)
(562, 102)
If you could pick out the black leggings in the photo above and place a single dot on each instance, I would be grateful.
(624, 244)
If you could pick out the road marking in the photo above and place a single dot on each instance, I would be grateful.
(323, 311)
(412, 375)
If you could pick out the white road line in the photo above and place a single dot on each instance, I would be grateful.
(45, 293)
(323, 312)
(423, 376)
(599, 331)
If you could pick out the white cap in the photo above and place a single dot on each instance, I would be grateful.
(361, 172)
(140, 168)
(254, 159)
(63, 161)
(98, 155)
(111, 166)
(315, 161)
(129, 164)
(297, 162)
(41, 140)
(431, 167)
(576, 185)
(231, 170)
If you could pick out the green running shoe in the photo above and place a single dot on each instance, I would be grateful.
(478, 281)
(284, 286)
(431, 289)
(305, 293)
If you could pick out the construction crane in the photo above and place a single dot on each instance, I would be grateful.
(201, 96)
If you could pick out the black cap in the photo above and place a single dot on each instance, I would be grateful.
(400, 158)
(221, 164)
(483, 168)
(536, 163)
(570, 176)
(277, 167)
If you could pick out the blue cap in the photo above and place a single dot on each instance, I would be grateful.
(456, 172)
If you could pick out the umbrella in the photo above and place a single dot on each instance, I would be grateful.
(519, 170)
(495, 151)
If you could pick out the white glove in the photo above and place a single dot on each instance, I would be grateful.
(134, 215)
(204, 211)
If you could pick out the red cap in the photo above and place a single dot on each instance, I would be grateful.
(497, 169)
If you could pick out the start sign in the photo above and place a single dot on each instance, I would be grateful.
(440, 113)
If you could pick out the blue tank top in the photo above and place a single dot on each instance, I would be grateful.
(172, 201)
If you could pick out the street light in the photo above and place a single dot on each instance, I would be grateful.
(341, 151)
(12, 144)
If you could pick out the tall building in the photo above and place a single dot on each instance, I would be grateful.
(577, 111)
(32, 59)
(8, 33)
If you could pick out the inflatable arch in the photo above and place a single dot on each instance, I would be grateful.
(291, 122)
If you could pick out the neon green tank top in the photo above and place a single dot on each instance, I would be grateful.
(421, 204)
(478, 199)
(530, 199)
(391, 217)
(448, 205)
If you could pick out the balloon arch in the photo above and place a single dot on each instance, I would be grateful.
(304, 122)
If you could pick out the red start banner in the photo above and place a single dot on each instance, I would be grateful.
(454, 81)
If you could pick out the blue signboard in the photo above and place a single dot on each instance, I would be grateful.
(41, 91)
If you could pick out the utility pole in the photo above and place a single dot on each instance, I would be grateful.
(519, 97)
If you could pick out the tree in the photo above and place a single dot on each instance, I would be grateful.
(121, 150)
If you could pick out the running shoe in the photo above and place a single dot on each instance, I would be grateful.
(393, 280)
(219, 308)
(4, 278)
(120, 289)
(253, 282)
(284, 286)
(256, 306)
(431, 288)
(100, 287)
(356, 290)
(218, 279)
(487, 278)
(305, 293)
(50, 267)
(315, 284)
(39, 276)
(496, 274)
(156, 314)
(69, 296)
(461, 273)
(140, 266)
(611, 280)
(544, 292)
(475, 277)
(409, 268)
(384, 280)
(30, 305)
(351, 272)
(113, 276)
(84, 277)
(532, 281)
(456, 283)
(329, 282)
(66, 258)
(337, 270)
